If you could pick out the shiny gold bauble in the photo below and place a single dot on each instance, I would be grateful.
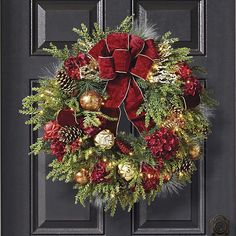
(195, 151)
(105, 139)
(82, 177)
(91, 101)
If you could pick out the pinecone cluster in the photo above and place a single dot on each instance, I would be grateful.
(68, 134)
(187, 166)
(68, 86)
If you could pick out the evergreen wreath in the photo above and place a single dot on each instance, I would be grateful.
(78, 107)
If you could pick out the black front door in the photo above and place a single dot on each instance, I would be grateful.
(33, 206)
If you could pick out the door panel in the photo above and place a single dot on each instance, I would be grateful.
(33, 205)
(52, 207)
(177, 214)
(185, 20)
(52, 21)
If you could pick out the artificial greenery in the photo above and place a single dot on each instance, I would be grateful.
(161, 99)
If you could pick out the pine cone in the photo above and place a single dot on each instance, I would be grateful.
(123, 147)
(187, 166)
(68, 86)
(68, 134)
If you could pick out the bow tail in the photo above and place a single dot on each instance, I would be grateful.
(116, 90)
(133, 101)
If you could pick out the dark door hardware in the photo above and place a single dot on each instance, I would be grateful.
(219, 225)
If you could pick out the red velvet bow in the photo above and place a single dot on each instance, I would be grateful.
(120, 57)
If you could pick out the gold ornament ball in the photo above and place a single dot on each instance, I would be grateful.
(82, 177)
(91, 101)
(195, 151)
(105, 139)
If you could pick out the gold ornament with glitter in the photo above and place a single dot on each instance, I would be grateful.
(105, 139)
(91, 101)
(126, 170)
(82, 177)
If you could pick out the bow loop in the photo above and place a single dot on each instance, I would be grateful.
(121, 60)
(99, 49)
(106, 68)
(142, 67)
(136, 45)
(120, 56)
(117, 41)
(150, 49)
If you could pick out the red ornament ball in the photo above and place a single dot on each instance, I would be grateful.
(162, 143)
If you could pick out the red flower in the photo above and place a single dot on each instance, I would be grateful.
(192, 86)
(51, 130)
(99, 172)
(151, 177)
(72, 65)
(58, 149)
(75, 146)
(184, 71)
(163, 143)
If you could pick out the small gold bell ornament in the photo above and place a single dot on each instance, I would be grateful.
(82, 177)
(105, 139)
(91, 100)
(195, 151)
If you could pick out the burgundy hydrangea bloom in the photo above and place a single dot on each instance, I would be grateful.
(184, 71)
(151, 177)
(72, 65)
(58, 149)
(51, 130)
(162, 143)
(192, 86)
(99, 172)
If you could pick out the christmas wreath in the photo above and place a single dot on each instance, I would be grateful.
(78, 107)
